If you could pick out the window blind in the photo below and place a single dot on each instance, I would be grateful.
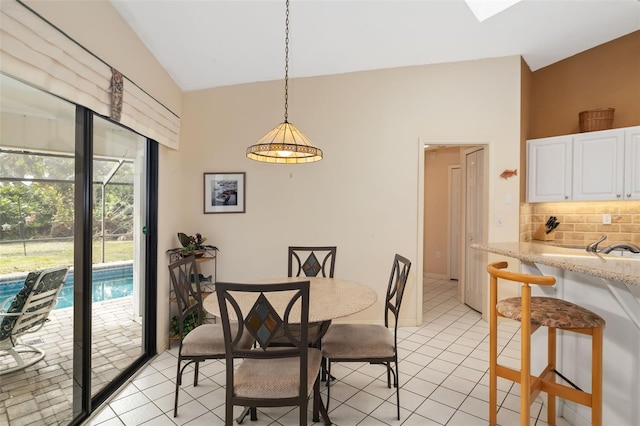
(36, 52)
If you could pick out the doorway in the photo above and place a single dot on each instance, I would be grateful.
(454, 243)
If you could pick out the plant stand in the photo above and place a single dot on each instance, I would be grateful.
(206, 287)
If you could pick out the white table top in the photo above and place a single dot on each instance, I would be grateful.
(329, 298)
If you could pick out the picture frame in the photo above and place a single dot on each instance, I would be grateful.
(224, 192)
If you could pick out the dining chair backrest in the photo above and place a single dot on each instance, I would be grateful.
(261, 319)
(311, 261)
(186, 288)
(249, 308)
(395, 289)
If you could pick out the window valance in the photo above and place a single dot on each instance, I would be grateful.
(36, 52)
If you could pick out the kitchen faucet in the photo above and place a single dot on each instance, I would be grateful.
(593, 247)
(621, 246)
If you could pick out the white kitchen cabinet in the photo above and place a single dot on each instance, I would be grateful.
(591, 166)
(549, 169)
(598, 166)
(632, 163)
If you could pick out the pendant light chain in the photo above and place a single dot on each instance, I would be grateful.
(286, 66)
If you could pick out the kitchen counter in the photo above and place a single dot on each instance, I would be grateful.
(608, 285)
(606, 266)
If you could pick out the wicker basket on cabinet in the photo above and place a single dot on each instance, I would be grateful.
(596, 119)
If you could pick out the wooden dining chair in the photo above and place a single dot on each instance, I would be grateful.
(266, 376)
(372, 343)
(205, 341)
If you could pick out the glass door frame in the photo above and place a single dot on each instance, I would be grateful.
(83, 403)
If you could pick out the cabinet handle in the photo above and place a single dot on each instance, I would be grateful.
(628, 195)
(566, 197)
(617, 195)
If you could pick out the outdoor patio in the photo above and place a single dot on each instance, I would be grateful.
(42, 393)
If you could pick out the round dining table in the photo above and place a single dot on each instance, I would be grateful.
(329, 298)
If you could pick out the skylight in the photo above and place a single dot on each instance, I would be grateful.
(485, 9)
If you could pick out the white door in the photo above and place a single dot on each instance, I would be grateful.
(455, 175)
(474, 228)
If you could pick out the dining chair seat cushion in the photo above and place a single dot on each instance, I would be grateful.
(275, 377)
(551, 312)
(208, 339)
(358, 341)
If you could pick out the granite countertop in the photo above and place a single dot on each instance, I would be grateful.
(610, 267)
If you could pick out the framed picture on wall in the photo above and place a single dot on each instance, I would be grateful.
(224, 192)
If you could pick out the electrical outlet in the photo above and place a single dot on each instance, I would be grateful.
(438, 254)
(606, 219)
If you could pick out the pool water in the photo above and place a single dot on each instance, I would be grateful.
(108, 283)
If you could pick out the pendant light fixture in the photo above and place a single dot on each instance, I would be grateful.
(285, 144)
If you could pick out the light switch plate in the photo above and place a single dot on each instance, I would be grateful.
(606, 219)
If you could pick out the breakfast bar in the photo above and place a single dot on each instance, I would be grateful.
(609, 285)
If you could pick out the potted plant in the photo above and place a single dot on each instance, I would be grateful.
(191, 321)
(192, 244)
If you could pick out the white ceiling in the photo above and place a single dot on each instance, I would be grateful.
(210, 43)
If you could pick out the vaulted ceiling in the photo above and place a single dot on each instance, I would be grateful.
(211, 43)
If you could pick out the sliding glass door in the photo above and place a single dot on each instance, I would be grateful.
(118, 250)
(76, 190)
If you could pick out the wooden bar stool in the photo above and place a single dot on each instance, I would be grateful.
(534, 312)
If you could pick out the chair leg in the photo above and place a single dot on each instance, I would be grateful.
(596, 377)
(328, 383)
(388, 374)
(175, 403)
(318, 405)
(551, 360)
(525, 358)
(253, 411)
(397, 380)
(178, 383)
(195, 374)
(493, 360)
(304, 404)
(228, 413)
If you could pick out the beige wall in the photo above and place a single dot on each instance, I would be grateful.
(364, 195)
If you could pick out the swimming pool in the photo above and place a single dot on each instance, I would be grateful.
(108, 283)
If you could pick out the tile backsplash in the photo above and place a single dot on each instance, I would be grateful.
(581, 221)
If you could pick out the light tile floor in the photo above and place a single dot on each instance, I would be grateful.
(443, 371)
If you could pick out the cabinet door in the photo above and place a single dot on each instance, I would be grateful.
(549, 169)
(632, 164)
(598, 161)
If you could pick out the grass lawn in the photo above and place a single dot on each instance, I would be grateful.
(47, 254)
